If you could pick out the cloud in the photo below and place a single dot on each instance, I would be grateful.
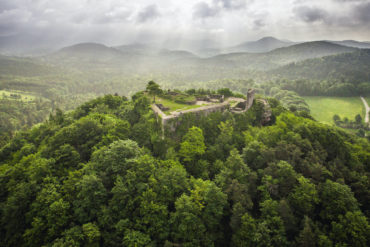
(11, 21)
(310, 14)
(6, 5)
(362, 13)
(114, 15)
(204, 10)
(149, 13)
(259, 23)
(65, 22)
(216, 7)
(231, 4)
(350, 0)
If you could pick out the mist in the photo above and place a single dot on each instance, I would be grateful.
(44, 26)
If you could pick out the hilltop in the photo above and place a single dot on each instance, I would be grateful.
(262, 45)
(103, 175)
(353, 66)
(353, 43)
(280, 56)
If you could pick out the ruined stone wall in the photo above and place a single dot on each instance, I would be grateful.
(250, 98)
(171, 121)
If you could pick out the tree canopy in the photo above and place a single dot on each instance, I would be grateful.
(105, 175)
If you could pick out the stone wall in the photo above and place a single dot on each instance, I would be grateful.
(170, 121)
(250, 98)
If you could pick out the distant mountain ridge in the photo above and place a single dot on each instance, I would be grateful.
(281, 56)
(89, 48)
(354, 65)
(353, 43)
(143, 56)
(313, 49)
(262, 45)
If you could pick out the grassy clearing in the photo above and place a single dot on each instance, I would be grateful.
(324, 108)
(175, 106)
(20, 95)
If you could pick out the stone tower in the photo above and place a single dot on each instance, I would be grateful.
(250, 98)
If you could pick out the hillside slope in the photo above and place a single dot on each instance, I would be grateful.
(281, 56)
(354, 67)
(103, 176)
(262, 45)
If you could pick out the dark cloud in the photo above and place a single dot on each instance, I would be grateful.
(362, 13)
(149, 13)
(231, 4)
(11, 21)
(7, 5)
(204, 10)
(60, 22)
(310, 14)
(259, 23)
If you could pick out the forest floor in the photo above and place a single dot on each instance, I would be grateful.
(324, 108)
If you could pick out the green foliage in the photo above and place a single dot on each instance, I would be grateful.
(192, 145)
(339, 75)
(105, 175)
(304, 197)
(324, 108)
(153, 89)
(351, 229)
(336, 199)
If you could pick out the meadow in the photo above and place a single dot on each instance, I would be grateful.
(324, 108)
(19, 95)
(174, 106)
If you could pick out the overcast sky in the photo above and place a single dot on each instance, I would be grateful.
(116, 22)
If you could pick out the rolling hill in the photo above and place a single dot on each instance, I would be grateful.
(265, 44)
(353, 66)
(281, 56)
(18, 66)
(140, 58)
(353, 43)
(138, 48)
(89, 51)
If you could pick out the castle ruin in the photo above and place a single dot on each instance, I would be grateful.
(242, 105)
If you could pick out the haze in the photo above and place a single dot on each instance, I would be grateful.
(40, 24)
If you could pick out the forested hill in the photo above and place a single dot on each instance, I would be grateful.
(23, 67)
(101, 175)
(313, 49)
(265, 44)
(280, 56)
(353, 67)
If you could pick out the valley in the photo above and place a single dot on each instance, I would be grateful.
(75, 74)
(258, 144)
(198, 123)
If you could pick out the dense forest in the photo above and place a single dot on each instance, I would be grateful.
(340, 75)
(102, 175)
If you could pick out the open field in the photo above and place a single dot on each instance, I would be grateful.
(20, 95)
(175, 106)
(324, 108)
